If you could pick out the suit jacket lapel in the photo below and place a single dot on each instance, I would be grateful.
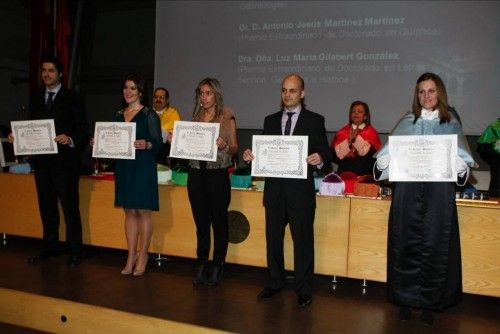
(275, 125)
(55, 110)
(57, 98)
(301, 125)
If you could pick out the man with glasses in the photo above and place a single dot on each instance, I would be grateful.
(168, 115)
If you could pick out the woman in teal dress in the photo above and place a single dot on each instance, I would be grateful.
(136, 181)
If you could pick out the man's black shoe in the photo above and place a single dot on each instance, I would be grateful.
(267, 293)
(43, 255)
(304, 300)
(427, 317)
(74, 259)
(404, 313)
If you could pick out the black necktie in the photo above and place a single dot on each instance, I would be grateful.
(48, 104)
(288, 125)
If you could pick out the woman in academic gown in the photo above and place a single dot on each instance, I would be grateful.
(354, 145)
(423, 252)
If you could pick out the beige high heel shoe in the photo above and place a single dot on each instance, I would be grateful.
(139, 268)
(127, 270)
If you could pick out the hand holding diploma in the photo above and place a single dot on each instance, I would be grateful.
(63, 140)
(314, 159)
(142, 144)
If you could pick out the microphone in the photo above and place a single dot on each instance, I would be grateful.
(24, 116)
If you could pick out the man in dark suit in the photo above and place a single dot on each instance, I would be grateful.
(57, 175)
(293, 201)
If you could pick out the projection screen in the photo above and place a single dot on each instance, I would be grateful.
(345, 50)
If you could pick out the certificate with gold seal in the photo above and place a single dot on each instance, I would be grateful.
(114, 140)
(427, 158)
(34, 137)
(195, 140)
(280, 156)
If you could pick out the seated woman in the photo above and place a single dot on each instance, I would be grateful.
(354, 145)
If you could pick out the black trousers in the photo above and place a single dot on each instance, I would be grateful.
(209, 193)
(55, 184)
(301, 227)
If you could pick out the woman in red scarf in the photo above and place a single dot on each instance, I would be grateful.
(354, 144)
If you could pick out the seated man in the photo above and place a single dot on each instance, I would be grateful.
(168, 115)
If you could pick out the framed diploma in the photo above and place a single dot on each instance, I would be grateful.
(195, 140)
(114, 140)
(7, 157)
(34, 137)
(423, 158)
(280, 156)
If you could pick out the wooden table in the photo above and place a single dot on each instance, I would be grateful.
(350, 233)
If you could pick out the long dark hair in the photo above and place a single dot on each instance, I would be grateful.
(442, 106)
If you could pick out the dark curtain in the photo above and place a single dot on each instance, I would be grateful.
(47, 38)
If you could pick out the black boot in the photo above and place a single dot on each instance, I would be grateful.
(427, 317)
(201, 275)
(215, 275)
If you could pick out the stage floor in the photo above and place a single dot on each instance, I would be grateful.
(167, 292)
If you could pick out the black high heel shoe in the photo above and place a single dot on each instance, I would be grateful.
(216, 275)
(201, 275)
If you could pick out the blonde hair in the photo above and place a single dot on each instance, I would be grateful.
(216, 87)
